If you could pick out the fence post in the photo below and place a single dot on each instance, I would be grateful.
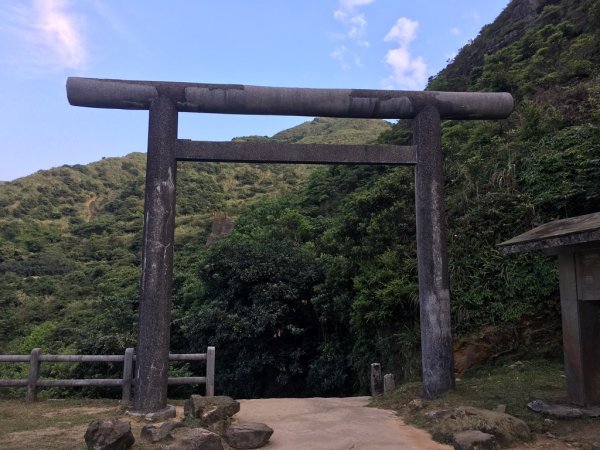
(34, 373)
(210, 372)
(376, 380)
(127, 376)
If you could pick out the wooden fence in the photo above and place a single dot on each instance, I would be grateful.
(33, 382)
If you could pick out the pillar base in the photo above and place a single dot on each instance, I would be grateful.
(157, 416)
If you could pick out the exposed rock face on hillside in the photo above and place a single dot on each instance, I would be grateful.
(519, 17)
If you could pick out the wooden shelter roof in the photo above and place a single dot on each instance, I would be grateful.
(559, 233)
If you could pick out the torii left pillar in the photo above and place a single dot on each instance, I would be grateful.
(152, 352)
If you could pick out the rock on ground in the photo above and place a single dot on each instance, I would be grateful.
(248, 435)
(209, 410)
(197, 439)
(506, 428)
(474, 440)
(154, 434)
(563, 411)
(109, 435)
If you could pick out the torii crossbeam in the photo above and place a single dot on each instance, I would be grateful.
(165, 100)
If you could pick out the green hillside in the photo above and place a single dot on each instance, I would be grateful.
(324, 130)
(70, 240)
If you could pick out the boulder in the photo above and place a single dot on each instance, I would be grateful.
(563, 411)
(506, 428)
(154, 434)
(197, 439)
(109, 435)
(248, 435)
(209, 410)
(474, 440)
(219, 427)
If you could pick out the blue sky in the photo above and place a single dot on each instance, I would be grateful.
(370, 44)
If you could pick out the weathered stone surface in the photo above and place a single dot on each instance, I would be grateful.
(474, 440)
(506, 428)
(219, 427)
(376, 380)
(209, 410)
(197, 439)
(109, 435)
(562, 411)
(168, 412)
(153, 434)
(248, 435)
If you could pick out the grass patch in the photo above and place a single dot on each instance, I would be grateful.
(58, 424)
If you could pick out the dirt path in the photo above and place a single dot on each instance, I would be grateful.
(333, 424)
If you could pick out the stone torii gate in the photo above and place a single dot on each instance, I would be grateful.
(165, 100)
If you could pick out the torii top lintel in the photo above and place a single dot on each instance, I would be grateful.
(262, 100)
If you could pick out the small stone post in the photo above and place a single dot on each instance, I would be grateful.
(376, 381)
(388, 383)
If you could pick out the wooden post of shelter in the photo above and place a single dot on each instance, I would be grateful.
(166, 99)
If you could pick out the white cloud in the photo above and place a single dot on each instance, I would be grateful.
(351, 4)
(455, 31)
(50, 35)
(403, 32)
(339, 54)
(355, 32)
(407, 71)
(354, 22)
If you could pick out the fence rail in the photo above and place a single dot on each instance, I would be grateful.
(33, 382)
